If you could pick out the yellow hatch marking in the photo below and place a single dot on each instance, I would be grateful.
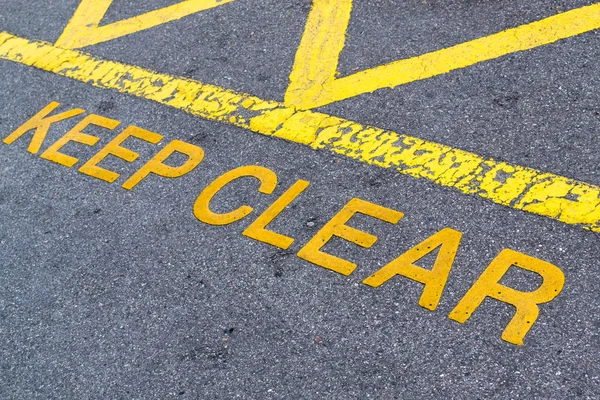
(313, 81)
(84, 27)
(521, 188)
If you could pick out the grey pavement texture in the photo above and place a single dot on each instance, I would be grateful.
(110, 294)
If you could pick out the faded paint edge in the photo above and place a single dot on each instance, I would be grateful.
(521, 188)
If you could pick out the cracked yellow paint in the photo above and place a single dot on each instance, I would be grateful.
(84, 27)
(518, 187)
(313, 81)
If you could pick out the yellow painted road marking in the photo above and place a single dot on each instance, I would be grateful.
(525, 303)
(521, 188)
(313, 82)
(84, 28)
(445, 242)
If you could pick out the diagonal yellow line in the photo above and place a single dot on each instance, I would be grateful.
(313, 82)
(84, 27)
(521, 188)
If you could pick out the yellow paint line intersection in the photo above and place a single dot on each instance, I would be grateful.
(518, 187)
(193, 259)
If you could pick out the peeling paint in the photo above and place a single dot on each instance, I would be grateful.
(514, 186)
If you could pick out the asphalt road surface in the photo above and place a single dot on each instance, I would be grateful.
(475, 165)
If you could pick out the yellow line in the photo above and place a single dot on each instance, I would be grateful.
(84, 27)
(313, 82)
(521, 188)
